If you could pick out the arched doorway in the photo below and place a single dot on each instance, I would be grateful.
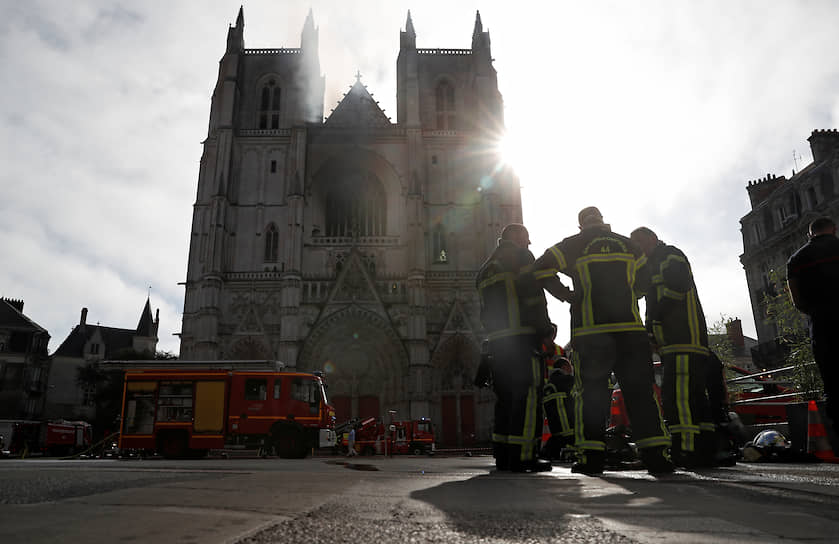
(364, 363)
(460, 409)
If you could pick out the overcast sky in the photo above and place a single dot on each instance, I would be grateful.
(659, 113)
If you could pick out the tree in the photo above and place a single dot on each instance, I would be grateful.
(793, 335)
(108, 387)
(719, 341)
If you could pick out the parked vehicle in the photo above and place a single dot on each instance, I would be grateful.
(185, 408)
(59, 437)
(415, 437)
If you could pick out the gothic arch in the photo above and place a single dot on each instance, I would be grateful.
(461, 412)
(362, 358)
(249, 349)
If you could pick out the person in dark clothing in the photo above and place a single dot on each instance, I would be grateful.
(515, 317)
(607, 335)
(559, 380)
(813, 281)
(676, 321)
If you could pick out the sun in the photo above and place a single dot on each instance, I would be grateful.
(510, 149)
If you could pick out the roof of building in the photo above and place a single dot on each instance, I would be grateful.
(358, 109)
(11, 317)
(114, 339)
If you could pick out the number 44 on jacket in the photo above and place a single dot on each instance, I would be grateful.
(185, 408)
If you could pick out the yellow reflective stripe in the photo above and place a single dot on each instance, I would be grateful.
(683, 348)
(653, 441)
(685, 429)
(595, 445)
(608, 327)
(607, 258)
(707, 426)
(577, 395)
(683, 399)
(500, 438)
(563, 415)
(495, 278)
(504, 333)
(664, 292)
(544, 273)
(560, 258)
(693, 317)
(587, 310)
(531, 411)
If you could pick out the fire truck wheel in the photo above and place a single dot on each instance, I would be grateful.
(417, 450)
(289, 442)
(172, 444)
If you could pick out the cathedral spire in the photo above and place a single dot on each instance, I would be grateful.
(236, 34)
(309, 31)
(479, 29)
(409, 26)
(408, 39)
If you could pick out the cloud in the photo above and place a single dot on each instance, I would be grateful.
(658, 112)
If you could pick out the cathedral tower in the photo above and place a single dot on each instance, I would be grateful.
(350, 244)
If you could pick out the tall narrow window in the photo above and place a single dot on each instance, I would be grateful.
(438, 244)
(269, 106)
(272, 243)
(445, 106)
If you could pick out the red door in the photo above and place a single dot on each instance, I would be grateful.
(448, 414)
(368, 406)
(343, 408)
(467, 419)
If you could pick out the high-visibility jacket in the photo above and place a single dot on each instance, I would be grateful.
(511, 303)
(674, 314)
(604, 267)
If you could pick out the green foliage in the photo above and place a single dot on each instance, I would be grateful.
(793, 335)
(719, 341)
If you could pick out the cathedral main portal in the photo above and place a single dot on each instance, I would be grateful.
(364, 363)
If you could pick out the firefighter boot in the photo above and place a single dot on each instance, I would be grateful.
(657, 460)
(591, 462)
(502, 456)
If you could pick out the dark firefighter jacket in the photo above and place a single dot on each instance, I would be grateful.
(511, 304)
(674, 314)
(605, 268)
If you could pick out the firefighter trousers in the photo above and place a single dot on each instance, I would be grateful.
(559, 408)
(684, 398)
(628, 354)
(517, 382)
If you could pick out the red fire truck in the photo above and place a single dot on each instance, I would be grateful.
(58, 437)
(184, 408)
(414, 437)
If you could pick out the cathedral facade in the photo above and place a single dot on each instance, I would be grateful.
(350, 243)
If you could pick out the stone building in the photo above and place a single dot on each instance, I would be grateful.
(86, 344)
(776, 227)
(350, 243)
(23, 363)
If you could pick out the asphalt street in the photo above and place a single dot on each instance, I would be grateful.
(407, 499)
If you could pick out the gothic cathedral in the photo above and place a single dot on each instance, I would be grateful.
(350, 243)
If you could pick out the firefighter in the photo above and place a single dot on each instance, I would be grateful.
(559, 379)
(607, 335)
(677, 323)
(514, 315)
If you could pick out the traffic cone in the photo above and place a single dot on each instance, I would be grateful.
(546, 431)
(817, 443)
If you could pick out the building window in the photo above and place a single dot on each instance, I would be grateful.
(438, 244)
(273, 167)
(445, 106)
(89, 395)
(277, 388)
(94, 349)
(272, 243)
(269, 106)
(356, 207)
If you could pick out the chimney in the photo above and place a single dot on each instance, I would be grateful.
(83, 320)
(823, 143)
(734, 328)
